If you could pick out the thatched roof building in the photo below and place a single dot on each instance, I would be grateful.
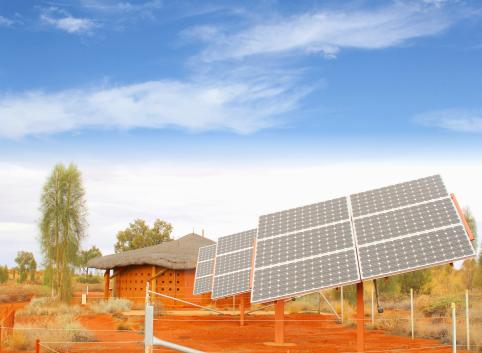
(168, 267)
(180, 254)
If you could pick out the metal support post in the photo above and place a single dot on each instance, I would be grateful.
(279, 333)
(373, 305)
(241, 310)
(412, 323)
(148, 327)
(37, 346)
(360, 318)
(342, 313)
(454, 330)
(467, 317)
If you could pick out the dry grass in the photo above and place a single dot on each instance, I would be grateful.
(48, 307)
(28, 289)
(59, 333)
(111, 306)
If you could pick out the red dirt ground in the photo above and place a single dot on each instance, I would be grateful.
(310, 332)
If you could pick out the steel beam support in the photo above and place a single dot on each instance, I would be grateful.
(360, 318)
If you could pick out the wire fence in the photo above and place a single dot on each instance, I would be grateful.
(265, 320)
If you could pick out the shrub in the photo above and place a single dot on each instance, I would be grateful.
(111, 306)
(3, 274)
(61, 330)
(439, 306)
(90, 279)
(48, 307)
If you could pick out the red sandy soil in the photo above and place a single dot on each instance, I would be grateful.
(310, 333)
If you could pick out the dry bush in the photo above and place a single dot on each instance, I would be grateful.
(30, 289)
(307, 303)
(124, 326)
(48, 307)
(111, 306)
(62, 331)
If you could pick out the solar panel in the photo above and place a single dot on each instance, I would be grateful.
(397, 195)
(233, 264)
(406, 227)
(203, 278)
(304, 249)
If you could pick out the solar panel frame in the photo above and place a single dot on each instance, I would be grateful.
(233, 260)
(203, 278)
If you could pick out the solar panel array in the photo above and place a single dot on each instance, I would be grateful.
(407, 226)
(304, 249)
(233, 264)
(377, 233)
(203, 279)
(395, 229)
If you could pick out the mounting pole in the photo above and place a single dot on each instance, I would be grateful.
(454, 330)
(373, 305)
(279, 313)
(467, 318)
(360, 318)
(412, 321)
(241, 310)
(342, 313)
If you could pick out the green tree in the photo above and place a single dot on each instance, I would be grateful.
(139, 235)
(3, 274)
(86, 255)
(62, 226)
(417, 280)
(26, 266)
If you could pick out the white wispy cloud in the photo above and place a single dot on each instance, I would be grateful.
(325, 32)
(5, 22)
(455, 119)
(242, 105)
(121, 6)
(62, 20)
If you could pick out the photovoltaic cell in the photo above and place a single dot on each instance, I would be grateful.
(405, 221)
(203, 285)
(233, 264)
(304, 217)
(234, 261)
(232, 283)
(304, 276)
(236, 241)
(406, 227)
(203, 278)
(398, 195)
(306, 243)
(303, 249)
(205, 268)
(419, 251)
(207, 253)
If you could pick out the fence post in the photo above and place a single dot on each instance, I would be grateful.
(454, 330)
(341, 305)
(37, 346)
(467, 317)
(148, 328)
(373, 305)
(412, 324)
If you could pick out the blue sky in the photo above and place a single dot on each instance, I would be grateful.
(265, 83)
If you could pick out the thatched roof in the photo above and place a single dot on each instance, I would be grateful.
(180, 254)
